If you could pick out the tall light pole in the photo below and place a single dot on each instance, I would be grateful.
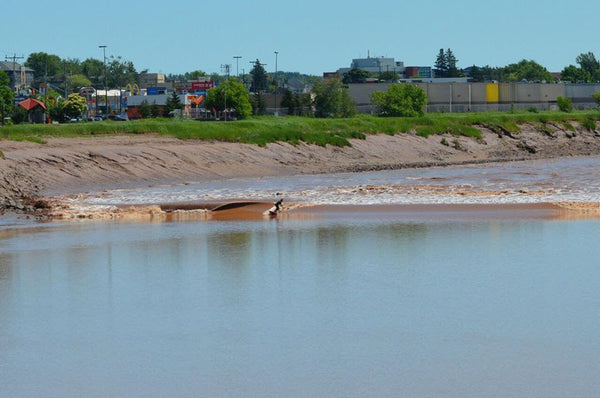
(276, 84)
(105, 89)
(237, 71)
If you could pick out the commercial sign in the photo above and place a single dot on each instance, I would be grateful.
(156, 90)
(197, 86)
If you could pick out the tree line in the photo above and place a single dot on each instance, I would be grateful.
(70, 74)
(328, 98)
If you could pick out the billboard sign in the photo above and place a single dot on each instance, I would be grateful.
(197, 86)
(155, 90)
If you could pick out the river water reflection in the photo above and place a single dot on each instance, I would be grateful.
(370, 306)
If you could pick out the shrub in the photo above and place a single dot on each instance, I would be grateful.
(403, 100)
(144, 109)
(589, 124)
(568, 126)
(331, 99)
(596, 97)
(565, 104)
(544, 128)
(74, 106)
(18, 115)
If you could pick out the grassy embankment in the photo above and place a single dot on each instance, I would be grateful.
(263, 130)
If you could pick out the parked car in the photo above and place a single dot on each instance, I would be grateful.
(118, 118)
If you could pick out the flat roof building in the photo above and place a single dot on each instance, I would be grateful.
(375, 65)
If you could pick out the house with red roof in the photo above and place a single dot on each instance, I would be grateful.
(36, 110)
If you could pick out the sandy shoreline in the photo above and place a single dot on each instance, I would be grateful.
(30, 172)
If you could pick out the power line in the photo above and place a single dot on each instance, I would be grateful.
(14, 62)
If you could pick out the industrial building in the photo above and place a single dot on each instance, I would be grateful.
(482, 97)
(375, 65)
(378, 65)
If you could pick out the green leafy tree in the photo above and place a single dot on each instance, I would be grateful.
(6, 96)
(4, 79)
(197, 74)
(489, 73)
(18, 115)
(574, 74)
(173, 104)
(120, 73)
(259, 105)
(144, 109)
(389, 76)
(331, 99)
(6, 101)
(596, 97)
(187, 76)
(287, 101)
(526, 70)
(589, 63)
(400, 100)
(230, 94)
(259, 77)
(305, 104)
(54, 104)
(355, 75)
(215, 77)
(76, 82)
(296, 104)
(71, 66)
(45, 65)
(74, 106)
(476, 74)
(93, 69)
(155, 110)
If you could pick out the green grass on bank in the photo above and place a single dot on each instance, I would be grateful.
(263, 130)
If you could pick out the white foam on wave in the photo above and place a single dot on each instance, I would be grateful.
(519, 182)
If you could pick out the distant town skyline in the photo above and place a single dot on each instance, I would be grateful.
(310, 37)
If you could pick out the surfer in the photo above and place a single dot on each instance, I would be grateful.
(275, 209)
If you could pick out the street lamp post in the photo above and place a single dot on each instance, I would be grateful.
(103, 47)
(276, 84)
(237, 71)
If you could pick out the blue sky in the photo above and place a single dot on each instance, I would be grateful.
(311, 36)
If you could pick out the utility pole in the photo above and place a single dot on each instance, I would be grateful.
(103, 47)
(14, 63)
(237, 71)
